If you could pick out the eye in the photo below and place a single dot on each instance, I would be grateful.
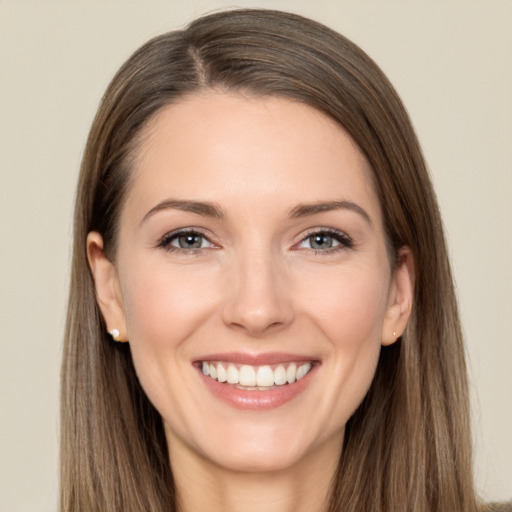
(326, 240)
(185, 241)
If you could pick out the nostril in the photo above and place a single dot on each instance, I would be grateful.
(255, 327)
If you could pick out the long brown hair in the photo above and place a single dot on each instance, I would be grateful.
(407, 447)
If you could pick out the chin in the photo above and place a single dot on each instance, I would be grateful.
(263, 448)
(259, 459)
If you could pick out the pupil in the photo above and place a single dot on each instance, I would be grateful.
(321, 241)
(190, 241)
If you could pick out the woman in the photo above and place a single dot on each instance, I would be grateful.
(261, 303)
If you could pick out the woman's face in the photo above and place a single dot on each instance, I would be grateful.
(251, 247)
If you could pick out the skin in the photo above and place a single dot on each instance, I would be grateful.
(256, 286)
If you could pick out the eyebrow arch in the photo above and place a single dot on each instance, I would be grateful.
(201, 208)
(304, 210)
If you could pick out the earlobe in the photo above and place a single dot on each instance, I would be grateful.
(108, 290)
(400, 298)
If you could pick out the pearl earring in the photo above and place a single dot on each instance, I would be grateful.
(115, 334)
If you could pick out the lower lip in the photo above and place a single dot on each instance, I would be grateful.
(257, 400)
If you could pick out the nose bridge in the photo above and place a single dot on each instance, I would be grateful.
(258, 298)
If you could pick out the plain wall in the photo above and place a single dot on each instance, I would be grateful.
(450, 60)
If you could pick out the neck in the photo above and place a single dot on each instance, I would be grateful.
(203, 485)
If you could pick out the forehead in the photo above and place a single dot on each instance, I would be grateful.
(217, 146)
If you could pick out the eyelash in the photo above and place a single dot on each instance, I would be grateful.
(166, 241)
(343, 240)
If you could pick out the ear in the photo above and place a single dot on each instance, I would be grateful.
(400, 299)
(108, 289)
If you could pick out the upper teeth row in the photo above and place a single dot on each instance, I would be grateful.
(262, 376)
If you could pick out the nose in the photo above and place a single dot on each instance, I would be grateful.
(258, 297)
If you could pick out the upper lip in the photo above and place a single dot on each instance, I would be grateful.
(267, 358)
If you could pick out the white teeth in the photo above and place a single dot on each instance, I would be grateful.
(256, 377)
(247, 376)
(222, 376)
(291, 372)
(232, 377)
(265, 376)
(280, 375)
(302, 370)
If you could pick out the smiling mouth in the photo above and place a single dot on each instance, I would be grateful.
(255, 378)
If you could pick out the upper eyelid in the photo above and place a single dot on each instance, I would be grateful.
(185, 231)
(324, 229)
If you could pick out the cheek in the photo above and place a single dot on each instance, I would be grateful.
(350, 315)
(164, 302)
(351, 307)
(163, 309)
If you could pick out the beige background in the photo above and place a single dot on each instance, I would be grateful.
(450, 60)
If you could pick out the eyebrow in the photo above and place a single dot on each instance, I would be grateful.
(304, 210)
(207, 209)
(201, 208)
